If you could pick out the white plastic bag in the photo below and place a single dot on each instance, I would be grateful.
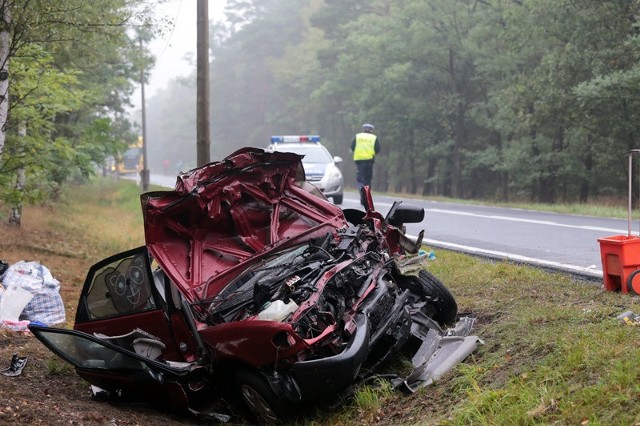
(46, 305)
(13, 302)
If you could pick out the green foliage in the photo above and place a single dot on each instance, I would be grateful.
(72, 69)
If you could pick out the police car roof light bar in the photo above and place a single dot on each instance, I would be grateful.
(295, 138)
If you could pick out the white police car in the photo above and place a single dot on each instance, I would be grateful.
(320, 167)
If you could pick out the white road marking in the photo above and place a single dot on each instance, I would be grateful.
(533, 221)
(590, 271)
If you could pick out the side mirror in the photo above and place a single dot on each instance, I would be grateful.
(404, 213)
(337, 159)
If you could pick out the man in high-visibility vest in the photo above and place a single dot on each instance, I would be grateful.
(365, 146)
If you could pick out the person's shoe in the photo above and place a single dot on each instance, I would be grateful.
(17, 364)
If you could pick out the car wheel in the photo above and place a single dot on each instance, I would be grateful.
(445, 305)
(337, 199)
(258, 396)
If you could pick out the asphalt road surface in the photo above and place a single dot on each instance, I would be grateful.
(550, 240)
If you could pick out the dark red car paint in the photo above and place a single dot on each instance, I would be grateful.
(220, 221)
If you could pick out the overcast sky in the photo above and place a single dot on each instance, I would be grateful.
(178, 42)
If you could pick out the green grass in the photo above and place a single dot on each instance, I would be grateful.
(554, 347)
(56, 367)
(108, 211)
(372, 397)
(553, 353)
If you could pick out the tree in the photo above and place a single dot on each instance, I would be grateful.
(558, 144)
(72, 69)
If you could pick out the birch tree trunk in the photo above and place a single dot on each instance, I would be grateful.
(5, 40)
(16, 210)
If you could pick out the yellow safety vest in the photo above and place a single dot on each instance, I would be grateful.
(365, 147)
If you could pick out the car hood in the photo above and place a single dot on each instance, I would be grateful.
(223, 216)
(315, 169)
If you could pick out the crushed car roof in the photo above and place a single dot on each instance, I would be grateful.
(222, 214)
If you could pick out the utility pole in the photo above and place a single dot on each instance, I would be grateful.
(144, 173)
(202, 104)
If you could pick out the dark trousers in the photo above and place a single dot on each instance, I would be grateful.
(365, 172)
(364, 175)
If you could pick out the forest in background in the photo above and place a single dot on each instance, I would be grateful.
(488, 99)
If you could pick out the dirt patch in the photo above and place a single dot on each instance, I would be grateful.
(48, 392)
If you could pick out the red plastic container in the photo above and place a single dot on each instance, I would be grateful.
(621, 263)
(621, 253)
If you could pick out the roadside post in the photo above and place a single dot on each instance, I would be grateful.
(621, 253)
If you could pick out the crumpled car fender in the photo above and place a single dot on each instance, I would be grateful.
(255, 342)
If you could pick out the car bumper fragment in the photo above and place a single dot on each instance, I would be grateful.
(440, 351)
(323, 377)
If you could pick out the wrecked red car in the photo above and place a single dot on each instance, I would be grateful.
(252, 285)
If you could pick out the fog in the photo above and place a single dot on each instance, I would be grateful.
(175, 65)
(175, 49)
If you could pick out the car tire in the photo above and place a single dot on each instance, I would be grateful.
(337, 199)
(259, 398)
(444, 303)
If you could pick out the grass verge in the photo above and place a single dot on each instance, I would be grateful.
(88, 224)
(554, 353)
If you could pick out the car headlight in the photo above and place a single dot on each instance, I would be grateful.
(335, 174)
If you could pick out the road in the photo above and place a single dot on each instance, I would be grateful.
(550, 240)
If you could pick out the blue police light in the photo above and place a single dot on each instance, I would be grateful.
(295, 139)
